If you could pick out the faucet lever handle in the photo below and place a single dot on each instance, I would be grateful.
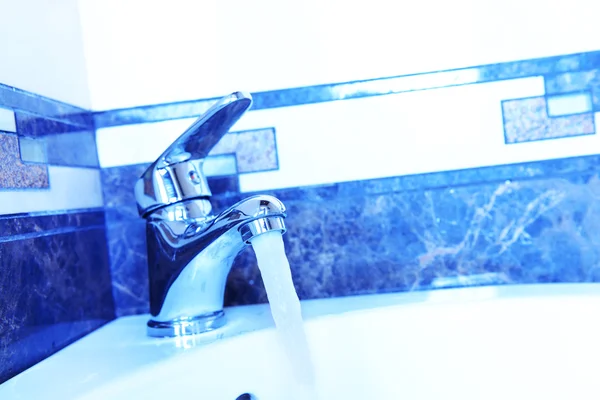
(177, 174)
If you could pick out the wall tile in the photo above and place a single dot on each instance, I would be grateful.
(54, 286)
(358, 89)
(568, 104)
(21, 100)
(533, 231)
(382, 235)
(576, 81)
(254, 150)
(70, 188)
(39, 125)
(13, 173)
(527, 120)
(26, 224)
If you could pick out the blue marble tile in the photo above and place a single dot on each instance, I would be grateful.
(128, 263)
(53, 290)
(76, 149)
(38, 126)
(357, 89)
(531, 231)
(18, 225)
(158, 112)
(21, 100)
(528, 223)
(589, 60)
(525, 68)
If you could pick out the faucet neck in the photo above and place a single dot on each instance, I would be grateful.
(190, 254)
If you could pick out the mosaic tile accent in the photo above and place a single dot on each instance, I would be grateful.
(527, 120)
(358, 89)
(576, 81)
(254, 150)
(13, 173)
(398, 234)
(534, 231)
(54, 287)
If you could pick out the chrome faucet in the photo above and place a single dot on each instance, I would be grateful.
(190, 251)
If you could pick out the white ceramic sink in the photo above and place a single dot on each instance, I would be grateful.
(508, 342)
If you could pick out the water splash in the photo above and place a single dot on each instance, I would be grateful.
(285, 308)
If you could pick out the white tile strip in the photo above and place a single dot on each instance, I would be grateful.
(392, 135)
(574, 103)
(7, 120)
(136, 144)
(70, 188)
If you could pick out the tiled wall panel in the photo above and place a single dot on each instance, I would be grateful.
(483, 175)
(55, 283)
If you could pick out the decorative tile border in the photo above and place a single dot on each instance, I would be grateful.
(523, 223)
(254, 150)
(30, 225)
(47, 132)
(576, 81)
(527, 120)
(17, 99)
(550, 66)
(38, 126)
(13, 173)
(73, 149)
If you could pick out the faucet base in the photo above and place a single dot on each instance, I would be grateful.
(186, 326)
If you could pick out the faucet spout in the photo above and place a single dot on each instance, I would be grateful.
(190, 256)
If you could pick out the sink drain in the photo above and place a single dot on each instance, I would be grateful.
(246, 396)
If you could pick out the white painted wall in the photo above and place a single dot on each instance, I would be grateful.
(41, 47)
(152, 51)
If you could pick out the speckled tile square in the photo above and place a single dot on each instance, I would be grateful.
(254, 150)
(527, 120)
(14, 174)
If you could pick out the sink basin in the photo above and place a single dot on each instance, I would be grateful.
(503, 342)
